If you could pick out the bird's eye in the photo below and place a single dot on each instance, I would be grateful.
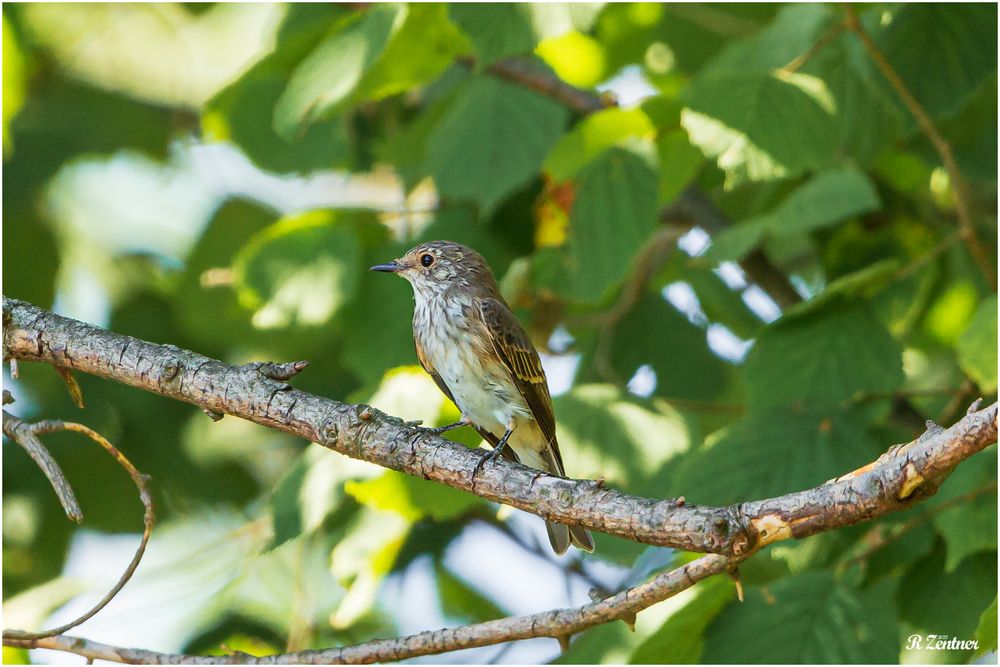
(427, 259)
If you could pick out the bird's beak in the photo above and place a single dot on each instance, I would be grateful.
(390, 267)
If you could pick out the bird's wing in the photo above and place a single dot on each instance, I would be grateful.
(519, 356)
(426, 364)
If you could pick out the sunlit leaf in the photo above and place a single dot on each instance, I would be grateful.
(243, 111)
(977, 347)
(986, 633)
(592, 136)
(300, 271)
(311, 491)
(411, 497)
(363, 558)
(13, 80)
(760, 127)
(334, 69)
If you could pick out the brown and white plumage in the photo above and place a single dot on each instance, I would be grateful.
(476, 351)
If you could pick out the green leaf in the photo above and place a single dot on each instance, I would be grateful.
(823, 200)
(424, 46)
(769, 453)
(760, 126)
(680, 162)
(412, 498)
(968, 523)
(942, 52)
(461, 602)
(933, 601)
(680, 640)
(794, 31)
(858, 284)
(335, 68)
(807, 618)
(592, 136)
(492, 140)
(977, 347)
(605, 433)
(300, 271)
(243, 111)
(824, 357)
(986, 633)
(972, 134)
(497, 30)
(612, 216)
(868, 117)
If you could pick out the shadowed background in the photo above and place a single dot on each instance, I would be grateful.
(746, 278)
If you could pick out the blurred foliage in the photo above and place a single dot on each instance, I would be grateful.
(772, 112)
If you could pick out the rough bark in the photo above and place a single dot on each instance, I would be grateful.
(360, 431)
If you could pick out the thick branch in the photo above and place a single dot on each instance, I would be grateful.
(362, 432)
(896, 480)
(557, 624)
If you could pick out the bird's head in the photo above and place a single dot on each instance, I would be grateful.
(437, 267)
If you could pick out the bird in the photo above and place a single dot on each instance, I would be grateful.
(469, 341)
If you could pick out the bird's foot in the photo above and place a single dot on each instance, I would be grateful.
(492, 455)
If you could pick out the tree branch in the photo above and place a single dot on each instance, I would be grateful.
(902, 476)
(141, 483)
(557, 623)
(26, 435)
(362, 432)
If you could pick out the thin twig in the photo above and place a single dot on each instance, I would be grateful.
(26, 435)
(976, 247)
(555, 624)
(149, 518)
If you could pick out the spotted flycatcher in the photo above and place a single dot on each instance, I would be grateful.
(469, 341)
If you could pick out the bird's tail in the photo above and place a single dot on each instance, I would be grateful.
(561, 535)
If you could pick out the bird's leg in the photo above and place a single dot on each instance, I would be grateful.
(438, 430)
(494, 454)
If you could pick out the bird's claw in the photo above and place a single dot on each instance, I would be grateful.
(488, 457)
